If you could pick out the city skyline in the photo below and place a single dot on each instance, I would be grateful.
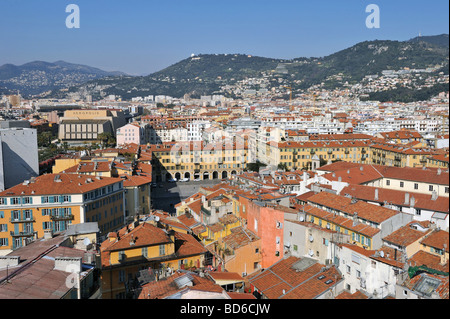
(147, 37)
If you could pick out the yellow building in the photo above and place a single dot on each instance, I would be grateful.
(53, 201)
(142, 246)
(194, 160)
(399, 155)
(299, 155)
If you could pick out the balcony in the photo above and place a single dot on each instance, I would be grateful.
(22, 220)
(61, 217)
(26, 233)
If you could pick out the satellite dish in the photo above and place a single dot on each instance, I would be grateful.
(86, 241)
(382, 254)
(302, 218)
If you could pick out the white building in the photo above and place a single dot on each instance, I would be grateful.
(18, 156)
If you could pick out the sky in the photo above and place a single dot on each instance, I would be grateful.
(144, 36)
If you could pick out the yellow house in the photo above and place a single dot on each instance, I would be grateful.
(51, 202)
(437, 244)
(142, 246)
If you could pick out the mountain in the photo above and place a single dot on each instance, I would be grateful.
(38, 76)
(208, 74)
(438, 40)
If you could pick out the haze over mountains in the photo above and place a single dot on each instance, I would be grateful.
(38, 76)
(208, 73)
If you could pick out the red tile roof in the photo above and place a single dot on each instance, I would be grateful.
(54, 184)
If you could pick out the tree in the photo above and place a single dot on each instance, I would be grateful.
(106, 139)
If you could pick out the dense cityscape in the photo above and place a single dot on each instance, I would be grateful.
(264, 186)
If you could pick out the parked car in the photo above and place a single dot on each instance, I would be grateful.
(172, 180)
(184, 180)
(197, 180)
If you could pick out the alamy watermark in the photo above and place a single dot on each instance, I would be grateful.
(373, 19)
(73, 19)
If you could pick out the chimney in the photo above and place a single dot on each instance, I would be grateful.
(48, 234)
(406, 199)
(434, 195)
(68, 264)
(8, 261)
(412, 202)
(376, 194)
(439, 171)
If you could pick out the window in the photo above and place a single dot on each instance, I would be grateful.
(402, 184)
(27, 214)
(295, 247)
(358, 274)
(446, 190)
(2, 201)
(348, 269)
(46, 211)
(162, 250)
(46, 225)
(430, 188)
(256, 250)
(27, 200)
(15, 214)
(388, 182)
(418, 212)
(145, 252)
(3, 228)
(416, 186)
(374, 264)
(15, 201)
(3, 241)
(121, 275)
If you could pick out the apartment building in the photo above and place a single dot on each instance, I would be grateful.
(367, 224)
(133, 133)
(198, 160)
(52, 202)
(299, 155)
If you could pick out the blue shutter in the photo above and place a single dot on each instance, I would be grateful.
(31, 200)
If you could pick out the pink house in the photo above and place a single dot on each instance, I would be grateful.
(130, 133)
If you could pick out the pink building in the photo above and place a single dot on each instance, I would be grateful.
(267, 222)
(131, 133)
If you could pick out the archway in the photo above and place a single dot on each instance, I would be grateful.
(177, 176)
(187, 175)
(224, 174)
(168, 177)
(215, 175)
(205, 175)
(233, 173)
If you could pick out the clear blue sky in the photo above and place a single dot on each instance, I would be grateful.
(143, 36)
